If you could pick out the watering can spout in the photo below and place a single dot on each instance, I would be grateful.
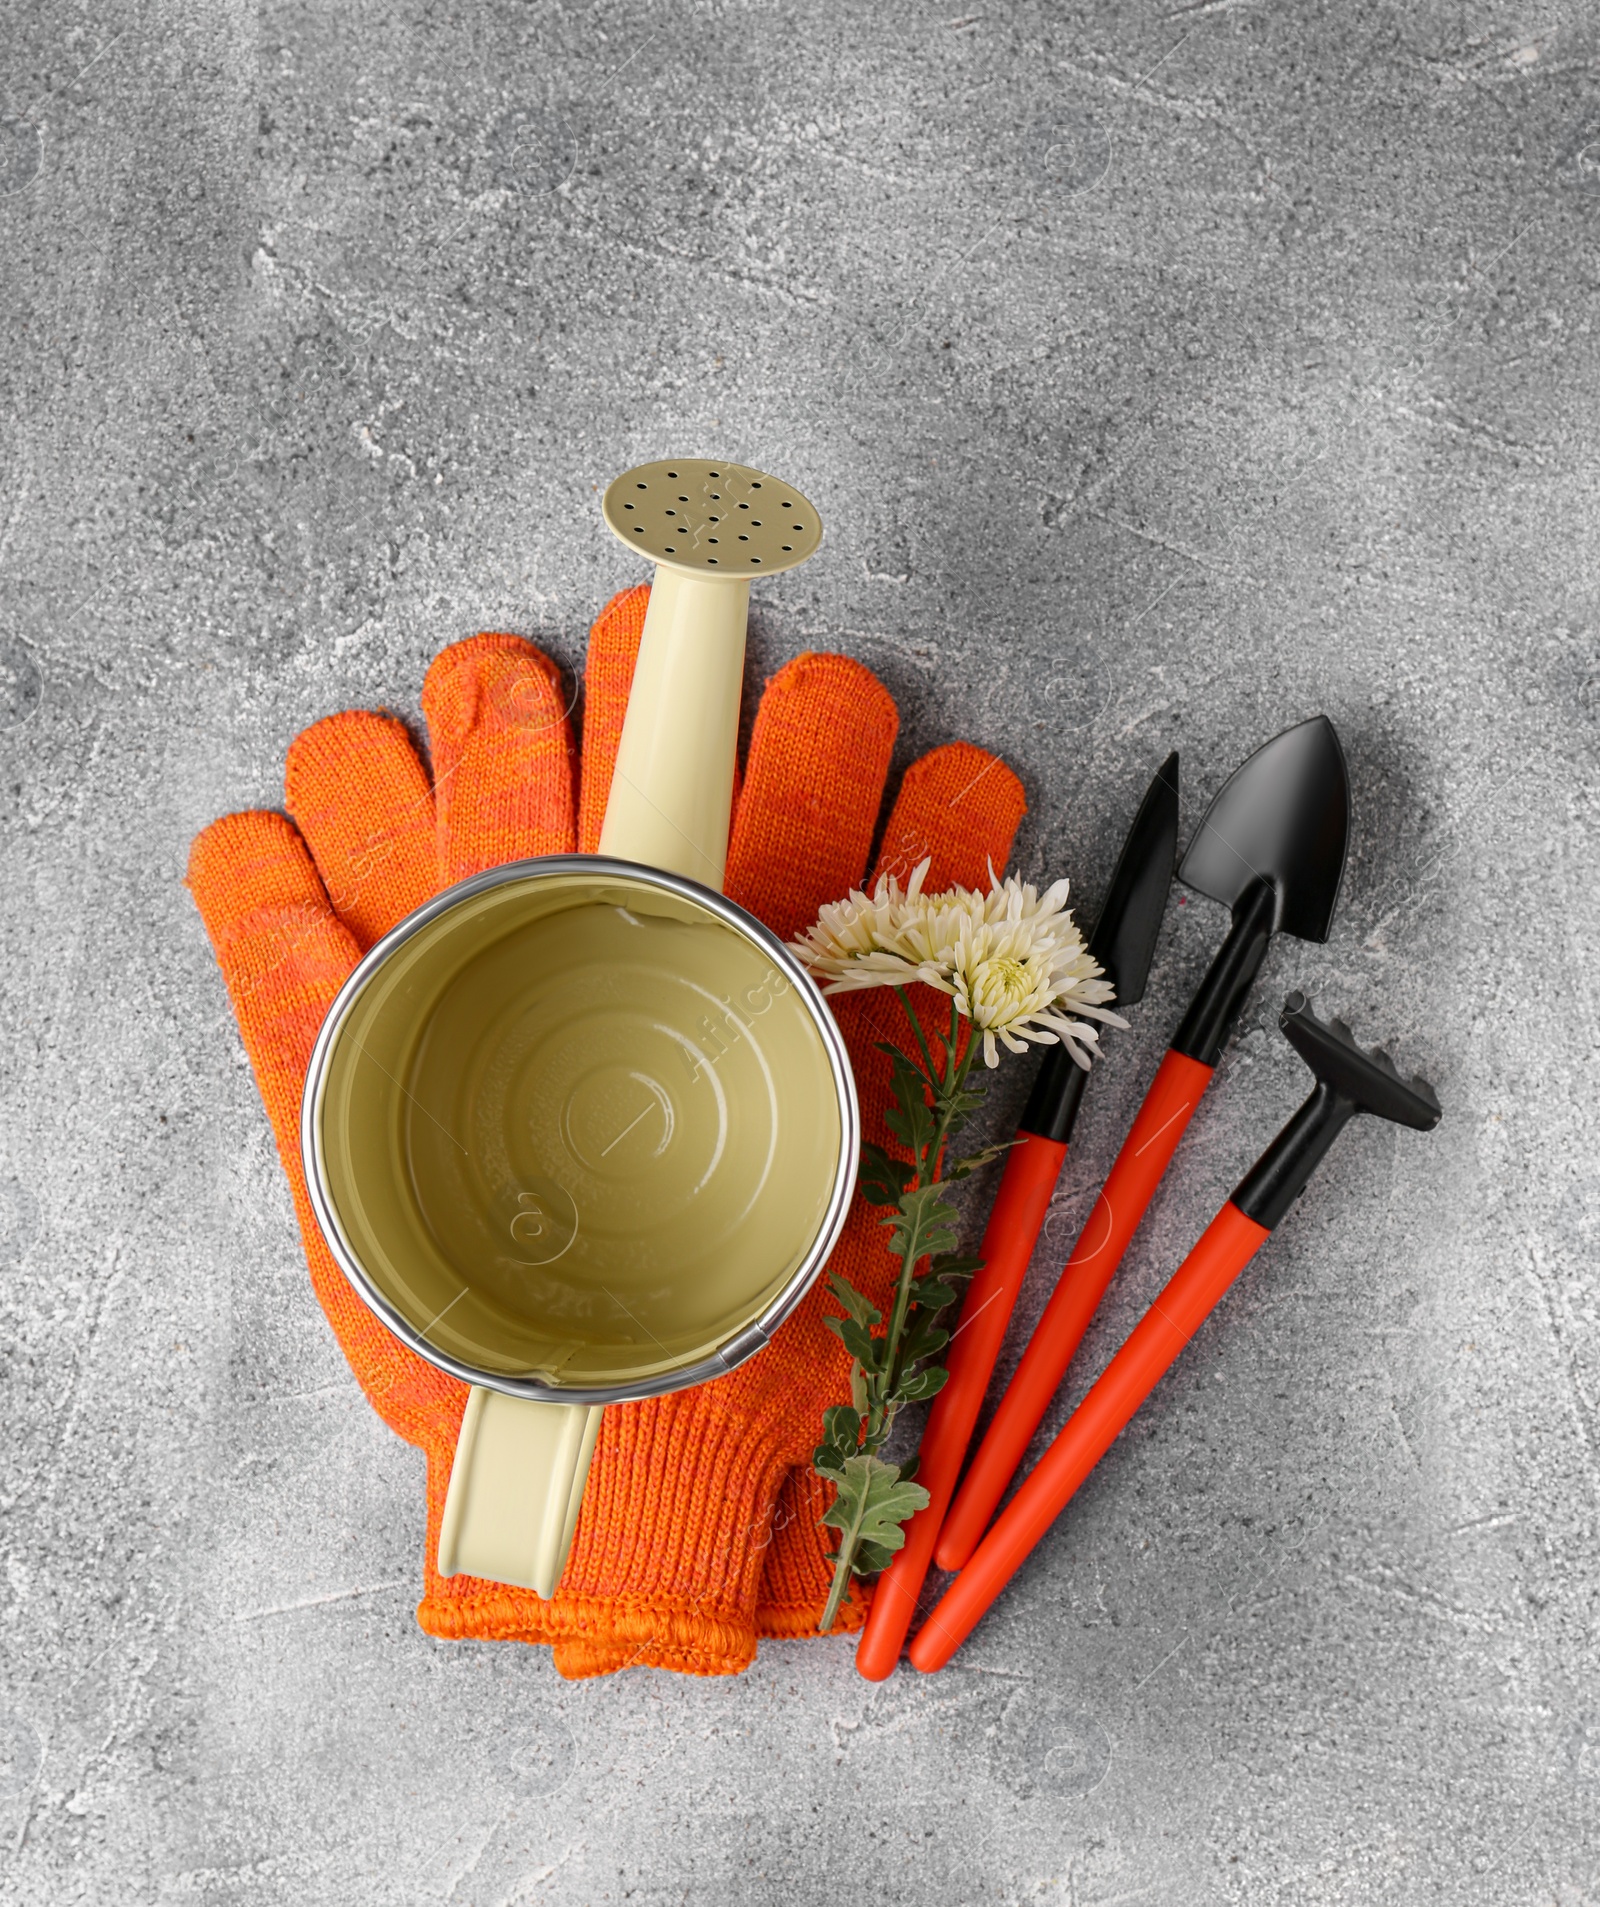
(672, 788)
(709, 527)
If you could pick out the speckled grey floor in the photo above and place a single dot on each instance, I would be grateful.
(1163, 376)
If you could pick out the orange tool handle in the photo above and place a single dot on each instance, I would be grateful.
(1146, 1153)
(1032, 1168)
(1230, 1242)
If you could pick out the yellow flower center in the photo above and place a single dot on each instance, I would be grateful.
(1002, 987)
(1012, 974)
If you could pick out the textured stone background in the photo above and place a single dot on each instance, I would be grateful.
(1163, 377)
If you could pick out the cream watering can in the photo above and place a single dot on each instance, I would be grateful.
(580, 1130)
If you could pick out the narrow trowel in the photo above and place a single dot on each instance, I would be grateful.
(1123, 943)
(1272, 848)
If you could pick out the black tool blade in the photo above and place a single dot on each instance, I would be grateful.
(1123, 943)
(1282, 817)
(1124, 937)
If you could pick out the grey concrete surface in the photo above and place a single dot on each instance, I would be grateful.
(1164, 375)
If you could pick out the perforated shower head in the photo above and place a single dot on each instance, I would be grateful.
(716, 520)
(709, 527)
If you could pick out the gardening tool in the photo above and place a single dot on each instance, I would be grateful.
(543, 1120)
(1123, 943)
(1350, 1080)
(1272, 848)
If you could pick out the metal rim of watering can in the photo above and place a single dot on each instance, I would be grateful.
(751, 1337)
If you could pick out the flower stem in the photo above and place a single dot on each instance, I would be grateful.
(922, 1038)
(944, 1087)
(843, 1570)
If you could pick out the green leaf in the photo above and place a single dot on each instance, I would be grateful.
(922, 1338)
(975, 1161)
(872, 1504)
(882, 1178)
(841, 1439)
(939, 1284)
(910, 1118)
(957, 1264)
(871, 1558)
(857, 1340)
(929, 1301)
(913, 1133)
(908, 1075)
(929, 1206)
(853, 1302)
(924, 1383)
(910, 1241)
(925, 1223)
(893, 1169)
(959, 1105)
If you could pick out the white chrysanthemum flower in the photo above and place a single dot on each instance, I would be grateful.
(855, 942)
(1012, 959)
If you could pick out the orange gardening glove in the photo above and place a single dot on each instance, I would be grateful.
(680, 1560)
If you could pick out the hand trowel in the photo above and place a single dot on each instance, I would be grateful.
(1272, 849)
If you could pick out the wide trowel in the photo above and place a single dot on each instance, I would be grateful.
(1123, 944)
(1350, 1080)
(1271, 848)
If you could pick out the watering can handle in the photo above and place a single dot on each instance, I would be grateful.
(520, 1466)
(515, 1488)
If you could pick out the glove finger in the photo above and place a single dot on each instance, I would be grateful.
(502, 754)
(284, 955)
(607, 678)
(360, 797)
(959, 806)
(819, 758)
(283, 952)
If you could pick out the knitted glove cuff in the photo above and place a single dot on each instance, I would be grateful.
(676, 1523)
(799, 1565)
